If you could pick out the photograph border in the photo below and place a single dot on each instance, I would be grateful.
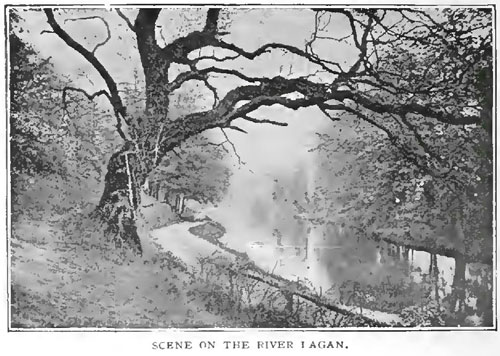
(134, 5)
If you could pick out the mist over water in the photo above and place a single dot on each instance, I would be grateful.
(268, 208)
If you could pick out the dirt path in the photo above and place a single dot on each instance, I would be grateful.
(188, 247)
(184, 245)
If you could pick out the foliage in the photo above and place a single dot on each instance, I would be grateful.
(198, 170)
(424, 315)
(31, 127)
(417, 179)
(211, 231)
(52, 132)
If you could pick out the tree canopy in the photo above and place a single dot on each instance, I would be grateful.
(417, 81)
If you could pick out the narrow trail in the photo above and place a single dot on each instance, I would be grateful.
(177, 239)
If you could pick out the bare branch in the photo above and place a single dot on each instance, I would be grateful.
(232, 145)
(161, 35)
(213, 90)
(116, 101)
(392, 137)
(324, 108)
(264, 121)
(220, 144)
(202, 74)
(402, 109)
(236, 128)
(217, 59)
(108, 32)
(267, 47)
(395, 140)
(178, 50)
(263, 91)
(91, 97)
(127, 20)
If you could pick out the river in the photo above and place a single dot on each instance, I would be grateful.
(354, 271)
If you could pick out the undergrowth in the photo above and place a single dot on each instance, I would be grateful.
(66, 274)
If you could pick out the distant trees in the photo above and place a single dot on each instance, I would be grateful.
(196, 171)
(30, 80)
(55, 133)
(425, 176)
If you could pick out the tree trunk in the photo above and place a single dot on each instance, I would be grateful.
(179, 203)
(119, 203)
(406, 253)
(431, 264)
(129, 168)
(435, 277)
(459, 280)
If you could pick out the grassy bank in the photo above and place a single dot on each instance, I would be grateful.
(65, 274)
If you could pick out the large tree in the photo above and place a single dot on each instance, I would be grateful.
(390, 83)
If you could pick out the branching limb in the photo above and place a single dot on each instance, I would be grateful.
(220, 144)
(215, 58)
(329, 66)
(202, 74)
(395, 140)
(236, 128)
(178, 50)
(213, 90)
(272, 91)
(108, 32)
(232, 146)
(91, 97)
(127, 20)
(362, 47)
(438, 114)
(263, 121)
(212, 18)
(324, 108)
(419, 138)
(116, 101)
(160, 32)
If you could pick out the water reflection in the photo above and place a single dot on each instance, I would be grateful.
(275, 225)
(358, 271)
(333, 259)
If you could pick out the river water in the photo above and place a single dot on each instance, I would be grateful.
(352, 271)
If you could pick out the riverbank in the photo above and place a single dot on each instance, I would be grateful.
(371, 273)
(65, 275)
(178, 239)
